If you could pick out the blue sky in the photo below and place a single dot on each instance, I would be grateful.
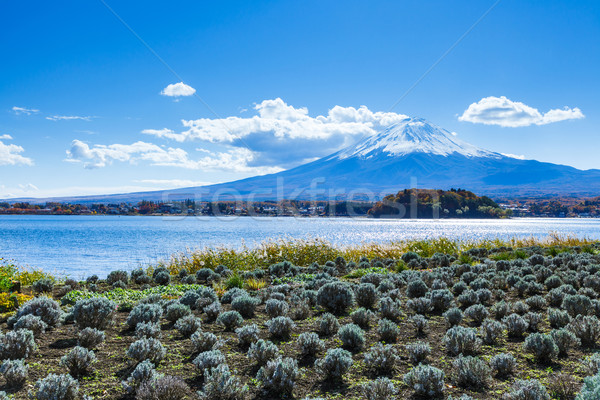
(84, 106)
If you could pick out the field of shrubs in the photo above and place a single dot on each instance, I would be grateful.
(484, 323)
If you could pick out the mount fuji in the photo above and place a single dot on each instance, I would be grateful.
(410, 153)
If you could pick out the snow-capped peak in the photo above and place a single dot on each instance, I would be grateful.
(414, 135)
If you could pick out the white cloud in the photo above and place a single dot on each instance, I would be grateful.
(158, 132)
(5, 137)
(17, 192)
(68, 118)
(518, 157)
(178, 89)
(507, 113)
(10, 154)
(284, 121)
(23, 110)
(98, 156)
(29, 187)
(281, 134)
(175, 183)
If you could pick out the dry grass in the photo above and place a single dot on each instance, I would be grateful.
(305, 252)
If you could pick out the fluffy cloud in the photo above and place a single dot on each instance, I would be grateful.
(281, 134)
(98, 156)
(23, 110)
(505, 112)
(10, 154)
(5, 137)
(68, 118)
(178, 89)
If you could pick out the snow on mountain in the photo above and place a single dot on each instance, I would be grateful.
(410, 152)
(413, 135)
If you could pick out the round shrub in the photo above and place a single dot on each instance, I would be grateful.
(245, 305)
(381, 359)
(212, 310)
(279, 376)
(188, 325)
(418, 352)
(144, 313)
(441, 299)
(220, 384)
(352, 337)
(262, 351)
(380, 389)
(247, 334)
(541, 346)
(148, 330)
(477, 313)
(147, 349)
(116, 276)
(558, 318)
(276, 308)
(79, 361)
(230, 320)
(280, 327)
(335, 297)
(419, 305)
(362, 317)
(310, 344)
(426, 381)
(205, 341)
(577, 304)
(90, 338)
(416, 288)
(503, 364)
(471, 372)
(96, 312)
(163, 387)
(366, 295)
(590, 389)
(460, 340)
(142, 373)
(530, 389)
(54, 387)
(189, 298)
(162, 277)
(328, 325)
(453, 316)
(43, 285)
(15, 345)
(586, 328)
(335, 363)
(176, 311)
(515, 325)
(420, 323)
(564, 340)
(389, 308)
(31, 322)
(491, 331)
(388, 331)
(47, 309)
(15, 372)
(209, 359)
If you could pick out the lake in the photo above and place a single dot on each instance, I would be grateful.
(79, 246)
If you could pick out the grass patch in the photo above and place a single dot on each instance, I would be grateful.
(305, 252)
(129, 296)
(359, 273)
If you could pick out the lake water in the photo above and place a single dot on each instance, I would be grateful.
(79, 246)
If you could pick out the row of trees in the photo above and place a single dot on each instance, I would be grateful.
(426, 203)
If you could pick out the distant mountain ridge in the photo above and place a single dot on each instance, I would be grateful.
(410, 153)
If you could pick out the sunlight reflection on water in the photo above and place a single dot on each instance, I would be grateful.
(82, 245)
